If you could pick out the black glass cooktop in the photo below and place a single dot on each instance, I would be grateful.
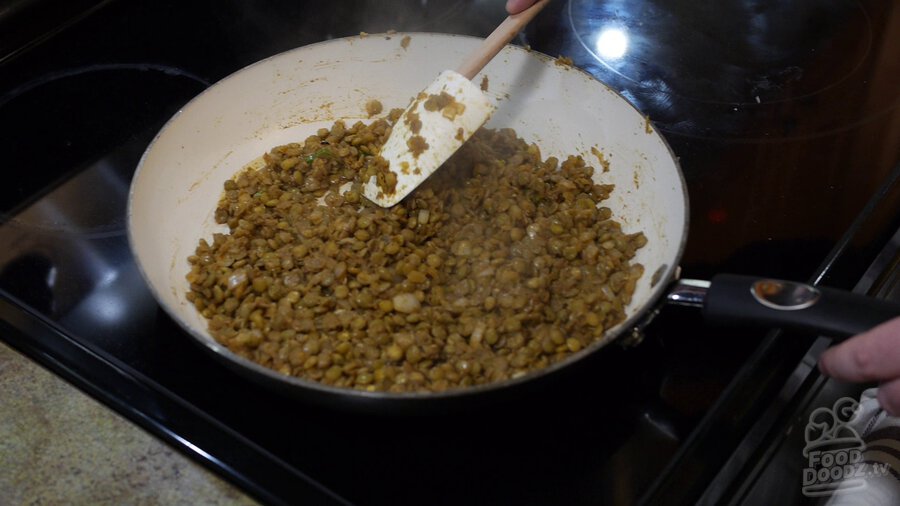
(784, 116)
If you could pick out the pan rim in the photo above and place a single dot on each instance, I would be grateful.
(640, 312)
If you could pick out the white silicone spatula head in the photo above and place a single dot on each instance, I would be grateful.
(440, 119)
(432, 128)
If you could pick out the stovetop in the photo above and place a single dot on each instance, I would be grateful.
(785, 117)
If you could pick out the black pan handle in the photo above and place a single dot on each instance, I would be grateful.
(731, 299)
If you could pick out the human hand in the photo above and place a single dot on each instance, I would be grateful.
(870, 356)
(517, 6)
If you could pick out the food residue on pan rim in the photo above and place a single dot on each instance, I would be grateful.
(601, 158)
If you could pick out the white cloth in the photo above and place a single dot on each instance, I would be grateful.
(880, 458)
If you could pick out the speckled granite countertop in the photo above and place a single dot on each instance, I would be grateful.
(59, 446)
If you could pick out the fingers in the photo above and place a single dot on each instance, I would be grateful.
(517, 6)
(889, 397)
(871, 356)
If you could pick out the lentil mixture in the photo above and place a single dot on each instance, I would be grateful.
(501, 263)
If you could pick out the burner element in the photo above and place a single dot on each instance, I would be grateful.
(749, 71)
(724, 52)
(72, 120)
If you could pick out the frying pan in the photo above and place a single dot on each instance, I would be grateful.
(563, 110)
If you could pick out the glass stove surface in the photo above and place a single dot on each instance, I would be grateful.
(783, 134)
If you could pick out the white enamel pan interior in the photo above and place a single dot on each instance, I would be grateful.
(289, 96)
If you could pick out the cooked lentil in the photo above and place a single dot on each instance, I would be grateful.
(373, 107)
(502, 263)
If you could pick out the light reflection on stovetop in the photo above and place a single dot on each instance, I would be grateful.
(762, 48)
(744, 71)
(67, 257)
(81, 133)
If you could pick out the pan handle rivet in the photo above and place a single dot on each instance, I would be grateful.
(784, 295)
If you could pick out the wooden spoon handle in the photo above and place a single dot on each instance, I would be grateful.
(497, 39)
